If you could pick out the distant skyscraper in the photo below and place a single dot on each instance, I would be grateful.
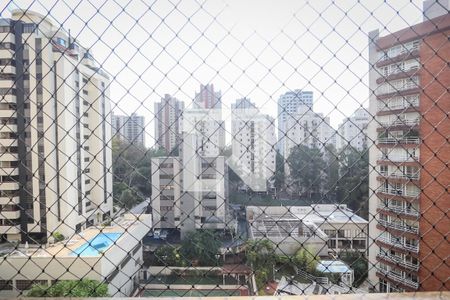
(129, 128)
(253, 144)
(352, 132)
(168, 114)
(208, 97)
(287, 105)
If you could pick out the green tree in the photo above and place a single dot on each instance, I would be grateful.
(279, 171)
(71, 288)
(306, 166)
(305, 260)
(358, 262)
(202, 246)
(331, 158)
(261, 257)
(168, 255)
(353, 183)
(131, 165)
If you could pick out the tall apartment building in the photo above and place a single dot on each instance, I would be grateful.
(208, 98)
(168, 114)
(409, 79)
(130, 129)
(288, 105)
(194, 183)
(352, 132)
(308, 128)
(253, 145)
(54, 143)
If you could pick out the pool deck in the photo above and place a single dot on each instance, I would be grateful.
(65, 248)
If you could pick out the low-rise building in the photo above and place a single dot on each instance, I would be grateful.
(110, 254)
(322, 228)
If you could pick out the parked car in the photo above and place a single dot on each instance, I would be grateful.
(157, 233)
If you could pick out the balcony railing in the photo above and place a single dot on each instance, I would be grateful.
(400, 210)
(398, 260)
(400, 279)
(398, 158)
(393, 141)
(401, 193)
(401, 227)
(399, 122)
(394, 243)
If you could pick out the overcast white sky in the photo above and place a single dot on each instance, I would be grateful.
(253, 48)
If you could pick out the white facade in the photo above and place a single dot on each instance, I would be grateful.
(307, 128)
(129, 128)
(117, 265)
(352, 132)
(253, 145)
(288, 105)
(66, 100)
(166, 192)
(168, 114)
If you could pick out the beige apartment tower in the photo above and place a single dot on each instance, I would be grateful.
(55, 151)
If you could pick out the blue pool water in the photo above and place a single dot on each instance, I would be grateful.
(99, 243)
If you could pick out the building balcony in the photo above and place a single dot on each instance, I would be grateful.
(8, 98)
(398, 124)
(9, 171)
(9, 214)
(383, 95)
(399, 193)
(8, 113)
(400, 210)
(396, 141)
(400, 227)
(401, 57)
(396, 245)
(9, 186)
(8, 70)
(399, 280)
(4, 229)
(406, 73)
(8, 128)
(398, 158)
(6, 156)
(9, 200)
(8, 142)
(398, 261)
(400, 175)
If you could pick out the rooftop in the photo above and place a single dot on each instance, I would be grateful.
(91, 242)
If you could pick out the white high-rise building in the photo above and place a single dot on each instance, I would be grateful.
(352, 132)
(130, 129)
(307, 128)
(288, 105)
(55, 149)
(253, 145)
(168, 114)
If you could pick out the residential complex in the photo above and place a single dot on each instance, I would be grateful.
(130, 129)
(55, 143)
(168, 114)
(352, 132)
(189, 191)
(288, 105)
(323, 229)
(253, 145)
(110, 254)
(409, 80)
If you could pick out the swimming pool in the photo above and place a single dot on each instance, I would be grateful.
(94, 246)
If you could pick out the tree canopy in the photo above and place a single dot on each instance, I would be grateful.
(71, 288)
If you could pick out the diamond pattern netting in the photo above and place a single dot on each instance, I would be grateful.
(313, 159)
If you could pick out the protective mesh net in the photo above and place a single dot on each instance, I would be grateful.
(223, 148)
